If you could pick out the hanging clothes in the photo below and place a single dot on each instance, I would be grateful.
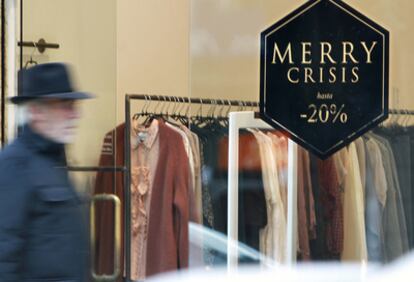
(213, 182)
(375, 200)
(355, 247)
(399, 138)
(306, 214)
(252, 204)
(273, 235)
(168, 216)
(331, 198)
(144, 159)
(394, 224)
(360, 147)
(280, 146)
(327, 183)
(196, 175)
(318, 246)
(194, 216)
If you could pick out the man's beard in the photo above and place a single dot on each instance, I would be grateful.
(63, 133)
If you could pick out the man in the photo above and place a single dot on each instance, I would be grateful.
(42, 231)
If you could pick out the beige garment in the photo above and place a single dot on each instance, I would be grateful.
(280, 146)
(198, 189)
(360, 147)
(341, 163)
(189, 136)
(266, 233)
(273, 235)
(281, 151)
(196, 177)
(355, 246)
(144, 159)
(187, 146)
(194, 216)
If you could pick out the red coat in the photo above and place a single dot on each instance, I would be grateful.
(167, 245)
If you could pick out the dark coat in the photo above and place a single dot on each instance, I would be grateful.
(42, 227)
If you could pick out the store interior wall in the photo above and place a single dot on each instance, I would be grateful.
(85, 31)
(153, 50)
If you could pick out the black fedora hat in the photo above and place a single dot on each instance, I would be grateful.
(46, 81)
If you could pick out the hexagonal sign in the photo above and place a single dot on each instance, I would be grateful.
(324, 75)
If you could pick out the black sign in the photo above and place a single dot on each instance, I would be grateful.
(324, 75)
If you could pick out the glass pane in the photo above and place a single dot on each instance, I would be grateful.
(356, 206)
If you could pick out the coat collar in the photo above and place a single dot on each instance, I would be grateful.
(39, 143)
(144, 135)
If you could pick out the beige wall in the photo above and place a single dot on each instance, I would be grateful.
(396, 16)
(153, 49)
(131, 46)
(86, 33)
(225, 44)
(116, 47)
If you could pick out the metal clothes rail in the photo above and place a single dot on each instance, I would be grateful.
(178, 99)
(400, 112)
(96, 168)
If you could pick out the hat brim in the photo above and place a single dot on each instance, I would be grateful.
(63, 96)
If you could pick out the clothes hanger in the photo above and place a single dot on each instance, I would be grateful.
(170, 117)
(175, 109)
(154, 114)
(226, 121)
(196, 119)
(407, 118)
(400, 118)
(186, 118)
(397, 106)
(31, 61)
(211, 118)
(221, 118)
(183, 118)
(136, 116)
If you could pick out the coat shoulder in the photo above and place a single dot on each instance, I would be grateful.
(14, 150)
(13, 159)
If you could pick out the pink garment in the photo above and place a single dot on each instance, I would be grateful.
(144, 158)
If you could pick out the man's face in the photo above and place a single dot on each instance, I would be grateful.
(56, 119)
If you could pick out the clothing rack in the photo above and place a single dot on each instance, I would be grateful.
(96, 168)
(202, 101)
(127, 174)
(172, 99)
(126, 169)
